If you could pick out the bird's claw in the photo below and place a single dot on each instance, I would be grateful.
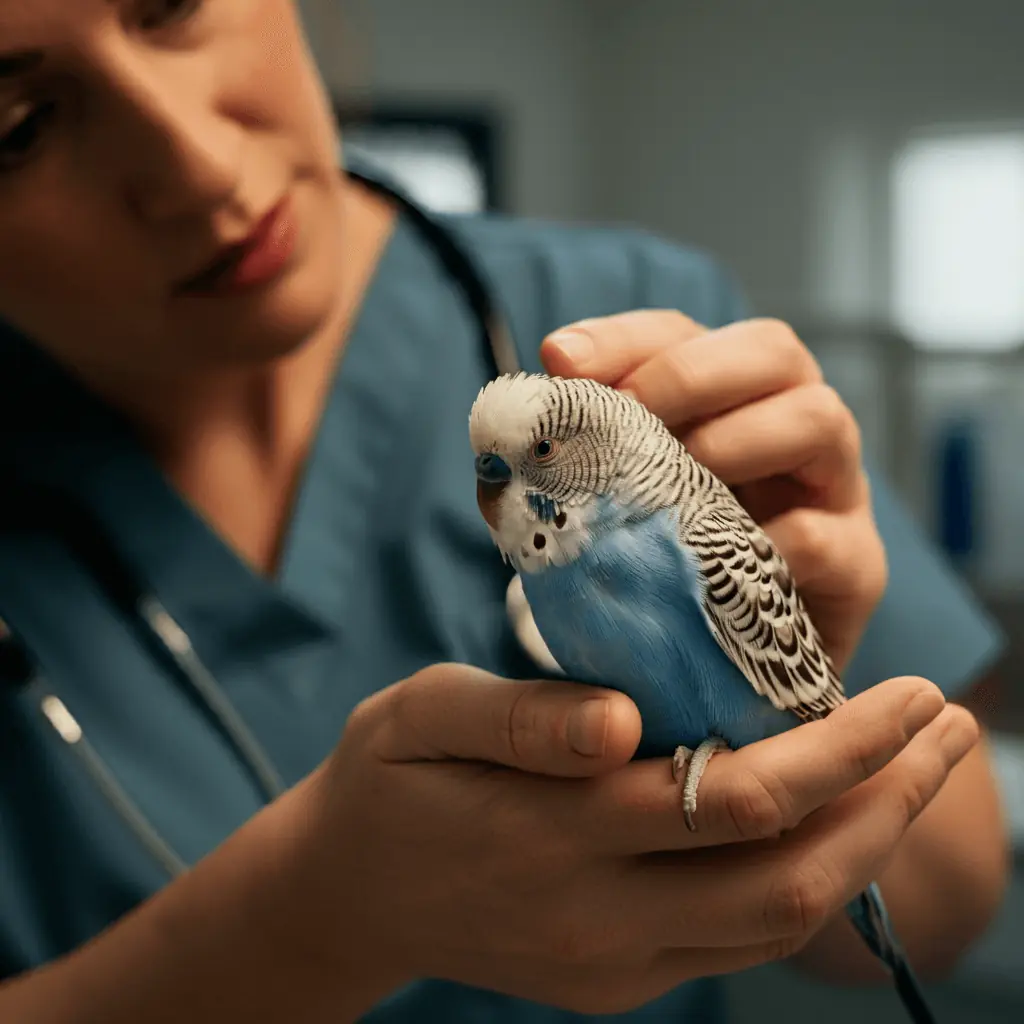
(680, 759)
(680, 762)
(694, 761)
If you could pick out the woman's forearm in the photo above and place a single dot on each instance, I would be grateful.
(942, 887)
(224, 943)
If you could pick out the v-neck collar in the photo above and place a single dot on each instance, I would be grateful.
(333, 517)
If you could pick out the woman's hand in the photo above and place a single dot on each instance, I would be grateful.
(496, 833)
(749, 401)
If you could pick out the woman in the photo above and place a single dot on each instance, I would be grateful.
(250, 373)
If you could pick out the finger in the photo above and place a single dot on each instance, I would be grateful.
(828, 551)
(462, 713)
(708, 961)
(761, 790)
(704, 376)
(613, 984)
(791, 887)
(608, 348)
(849, 843)
(839, 565)
(806, 432)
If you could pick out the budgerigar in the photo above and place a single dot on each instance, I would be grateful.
(638, 569)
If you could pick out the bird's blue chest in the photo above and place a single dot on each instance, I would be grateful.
(626, 613)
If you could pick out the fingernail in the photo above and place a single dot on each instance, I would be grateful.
(588, 728)
(959, 735)
(577, 346)
(921, 710)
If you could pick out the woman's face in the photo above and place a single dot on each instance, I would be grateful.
(138, 138)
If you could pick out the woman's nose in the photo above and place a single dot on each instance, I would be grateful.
(182, 155)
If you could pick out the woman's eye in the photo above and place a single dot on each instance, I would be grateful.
(19, 141)
(158, 13)
(544, 450)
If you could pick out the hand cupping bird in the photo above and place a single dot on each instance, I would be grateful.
(640, 570)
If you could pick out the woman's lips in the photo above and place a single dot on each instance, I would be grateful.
(254, 262)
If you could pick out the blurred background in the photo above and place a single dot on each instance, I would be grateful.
(859, 165)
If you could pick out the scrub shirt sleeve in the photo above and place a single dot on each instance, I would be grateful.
(928, 623)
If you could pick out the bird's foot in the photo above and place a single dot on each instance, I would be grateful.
(694, 762)
(680, 760)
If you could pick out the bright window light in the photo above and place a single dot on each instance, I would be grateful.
(436, 167)
(958, 241)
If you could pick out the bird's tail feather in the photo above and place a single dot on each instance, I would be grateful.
(871, 919)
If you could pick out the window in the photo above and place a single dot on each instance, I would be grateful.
(958, 240)
(444, 159)
(436, 167)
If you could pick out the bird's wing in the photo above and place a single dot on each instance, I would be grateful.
(756, 614)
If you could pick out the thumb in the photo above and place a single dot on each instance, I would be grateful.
(609, 348)
(456, 712)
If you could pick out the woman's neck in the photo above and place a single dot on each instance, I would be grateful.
(235, 445)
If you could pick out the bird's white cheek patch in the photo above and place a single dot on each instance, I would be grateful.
(533, 545)
(536, 547)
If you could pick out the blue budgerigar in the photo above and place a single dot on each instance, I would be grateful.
(638, 569)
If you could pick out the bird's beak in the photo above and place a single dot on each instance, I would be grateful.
(488, 497)
(492, 477)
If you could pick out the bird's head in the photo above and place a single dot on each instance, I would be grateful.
(555, 458)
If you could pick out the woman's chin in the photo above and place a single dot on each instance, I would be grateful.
(273, 323)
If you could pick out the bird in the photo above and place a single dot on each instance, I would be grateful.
(638, 569)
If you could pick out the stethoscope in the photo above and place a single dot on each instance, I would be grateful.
(89, 541)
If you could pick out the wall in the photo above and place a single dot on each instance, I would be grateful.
(734, 124)
(731, 122)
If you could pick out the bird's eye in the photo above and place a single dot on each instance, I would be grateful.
(545, 450)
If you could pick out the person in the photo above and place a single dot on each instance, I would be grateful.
(246, 367)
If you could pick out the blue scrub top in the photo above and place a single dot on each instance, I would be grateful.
(388, 567)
